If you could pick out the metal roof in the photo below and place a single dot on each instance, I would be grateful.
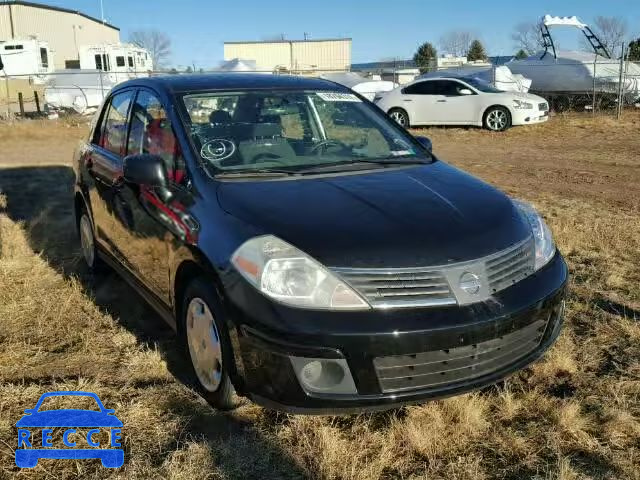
(57, 9)
(290, 41)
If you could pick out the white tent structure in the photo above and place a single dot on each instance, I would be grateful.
(364, 86)
(575, 72)
(500, 77)
(238, 65)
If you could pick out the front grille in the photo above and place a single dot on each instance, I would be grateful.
(510, 266)
(430, 369)
(543, 106)
(400, 287)
(441, 285)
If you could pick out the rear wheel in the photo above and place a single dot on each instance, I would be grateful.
(400, 116)
(497, 119)
(205, 340)
(88, 242)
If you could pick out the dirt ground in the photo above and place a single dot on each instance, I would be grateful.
(573, 415)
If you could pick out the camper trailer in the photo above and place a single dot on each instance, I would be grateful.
(30, 58)
(122, 61)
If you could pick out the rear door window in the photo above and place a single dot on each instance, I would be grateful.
(428, 87)
(114, 130)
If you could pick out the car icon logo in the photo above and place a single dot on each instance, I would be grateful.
(80, 426)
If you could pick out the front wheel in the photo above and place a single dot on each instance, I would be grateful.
(205, 338)
(400, 116)
(497, 119)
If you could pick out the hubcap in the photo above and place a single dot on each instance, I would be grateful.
(86, 240)
(497, 120)
(399, 118)
(204, 345)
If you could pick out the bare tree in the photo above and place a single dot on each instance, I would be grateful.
(528, 37)
(157, 43)
(612, 32)
(455, 42)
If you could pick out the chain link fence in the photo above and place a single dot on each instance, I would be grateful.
(603, 85)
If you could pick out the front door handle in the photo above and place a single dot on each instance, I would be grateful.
(408, 100)
(441, 101)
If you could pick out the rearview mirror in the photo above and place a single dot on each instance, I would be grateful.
(145, 169)
(425, 142)
(465, 91)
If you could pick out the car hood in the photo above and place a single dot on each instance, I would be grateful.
(69, 418)
(418, 216)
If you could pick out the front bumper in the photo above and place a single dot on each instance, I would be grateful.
(529, 117)
(268, 334)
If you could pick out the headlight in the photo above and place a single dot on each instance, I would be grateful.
(545, 247)
(522, 105)
(286, 274)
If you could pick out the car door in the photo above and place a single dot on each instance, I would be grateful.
(156, 215)
(453, 105)
(418, 101)
(103, 163)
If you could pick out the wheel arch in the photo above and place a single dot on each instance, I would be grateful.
(495, 105)
(403, 110)
(79, 205)
(194, 264)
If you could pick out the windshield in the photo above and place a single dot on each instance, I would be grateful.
(481, 85)
(292, 130)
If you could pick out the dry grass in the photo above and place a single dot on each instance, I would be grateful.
(573, 415)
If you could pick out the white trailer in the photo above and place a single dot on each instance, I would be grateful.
(31, 59)
(121, 61)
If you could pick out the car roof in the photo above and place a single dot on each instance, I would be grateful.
(230, 81)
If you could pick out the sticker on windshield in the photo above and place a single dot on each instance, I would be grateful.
(401, 153)
(338, 97)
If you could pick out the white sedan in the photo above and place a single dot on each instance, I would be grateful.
(461, 101)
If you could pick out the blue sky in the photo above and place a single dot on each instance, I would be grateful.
(380, 29)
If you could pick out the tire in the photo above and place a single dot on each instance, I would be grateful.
(497, 119)
(88, 242)
(400, 117)
(206, 344)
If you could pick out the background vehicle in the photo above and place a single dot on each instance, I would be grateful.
(461, 101)
(309, 252)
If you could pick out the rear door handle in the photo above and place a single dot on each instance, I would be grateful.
(441, 101)
(408, 100)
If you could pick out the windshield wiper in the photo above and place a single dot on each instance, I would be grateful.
(260, 172)
(342, 166)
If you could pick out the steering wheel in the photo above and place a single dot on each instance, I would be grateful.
(325, 145)
(269, 157)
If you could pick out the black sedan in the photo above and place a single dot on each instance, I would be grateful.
(310, 253)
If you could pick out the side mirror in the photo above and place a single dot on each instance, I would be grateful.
(465, 91)
(145, 169)
(425, 142)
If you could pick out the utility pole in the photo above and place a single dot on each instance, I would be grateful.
(102, 11)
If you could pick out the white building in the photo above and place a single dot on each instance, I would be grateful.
(63, 29)
(296, 56)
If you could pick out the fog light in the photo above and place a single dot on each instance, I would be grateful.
(323, 375)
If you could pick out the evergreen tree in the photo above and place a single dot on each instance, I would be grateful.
(476, 51)
(634, 50)
(521, 54)
(426, 57)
